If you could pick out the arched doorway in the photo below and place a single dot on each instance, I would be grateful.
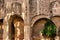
(16, 27)
(37, 27)
(1, 29)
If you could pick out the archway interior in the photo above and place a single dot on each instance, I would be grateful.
(1, 29)
(56, 20)
(37, 27)
(13, 29)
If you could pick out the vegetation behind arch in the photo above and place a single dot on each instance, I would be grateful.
(49, 30)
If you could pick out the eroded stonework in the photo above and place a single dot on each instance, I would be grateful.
(30, 11)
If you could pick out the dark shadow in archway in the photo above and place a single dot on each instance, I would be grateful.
(37, 26)
(56, 20)
(12, 32)
(12, 28)
(1, 29)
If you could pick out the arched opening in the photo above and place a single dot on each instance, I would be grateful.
(56, 20)
(37, 27)
(12, 31)
(16, 27)
(1, 29)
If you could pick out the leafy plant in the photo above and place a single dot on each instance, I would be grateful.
(50, 29)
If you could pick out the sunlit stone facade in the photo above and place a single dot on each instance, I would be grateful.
(18, 18)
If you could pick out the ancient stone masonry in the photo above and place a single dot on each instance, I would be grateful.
(56, 8)
(30, 11)
(44, 7)
(33, 7)
(39, 7)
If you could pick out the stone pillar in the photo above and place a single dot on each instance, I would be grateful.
(26, 20)
(6, 33)
(6, 27)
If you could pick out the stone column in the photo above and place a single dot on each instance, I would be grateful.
(6, 27)
(26, 20)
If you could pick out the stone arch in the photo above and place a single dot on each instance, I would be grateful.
(37, 27)
(35, 18)
(10, 20)
(56, 20)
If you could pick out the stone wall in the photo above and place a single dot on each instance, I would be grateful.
(46, 8)
(31, 11)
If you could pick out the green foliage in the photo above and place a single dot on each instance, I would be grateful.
(50, 29)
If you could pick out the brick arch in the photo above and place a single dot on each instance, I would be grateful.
(35, 18)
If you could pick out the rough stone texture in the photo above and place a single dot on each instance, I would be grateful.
(56, 8)
(33, 10)
(44, 7)
(33, 7)
(56, 20)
